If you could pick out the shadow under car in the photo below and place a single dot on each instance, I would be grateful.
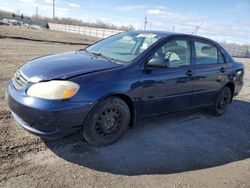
(172, 143)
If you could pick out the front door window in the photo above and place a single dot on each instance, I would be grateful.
(174, 53)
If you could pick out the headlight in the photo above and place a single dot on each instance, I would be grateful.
(238, 75)
(55, 89)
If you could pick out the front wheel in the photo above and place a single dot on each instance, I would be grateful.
(221, 102)
(107, 122)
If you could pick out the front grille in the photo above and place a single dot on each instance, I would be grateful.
(19, 80)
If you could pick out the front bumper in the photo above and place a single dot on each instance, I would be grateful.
(238, 87)
(46, 118)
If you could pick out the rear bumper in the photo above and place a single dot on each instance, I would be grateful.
(46, 118)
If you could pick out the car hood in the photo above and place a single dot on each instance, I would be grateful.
(65, 65)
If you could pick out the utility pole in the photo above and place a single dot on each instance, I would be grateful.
(173, 29)
(145, 22)
(54, 10)
(36, 13)
(196, 29)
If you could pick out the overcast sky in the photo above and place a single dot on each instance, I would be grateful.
(218, 19)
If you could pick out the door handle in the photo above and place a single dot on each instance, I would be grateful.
(189, 73)
(222, 69)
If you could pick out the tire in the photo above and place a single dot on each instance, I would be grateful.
(221, 102)
(107, 122)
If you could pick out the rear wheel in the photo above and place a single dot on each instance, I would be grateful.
(221, 102)
(107, 122)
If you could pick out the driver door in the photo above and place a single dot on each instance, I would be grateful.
(169, 88)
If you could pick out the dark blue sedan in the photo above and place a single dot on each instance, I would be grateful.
(103, 89)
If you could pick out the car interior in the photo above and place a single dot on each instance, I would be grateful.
(174, 54)
(206, 54)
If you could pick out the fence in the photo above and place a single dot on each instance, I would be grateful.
(91, 31)
(238, 51)
(103, 33)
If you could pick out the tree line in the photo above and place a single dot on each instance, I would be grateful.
(43, 21)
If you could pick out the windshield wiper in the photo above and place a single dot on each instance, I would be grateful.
(99, 54)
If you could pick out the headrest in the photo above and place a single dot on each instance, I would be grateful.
(209, 50)
(171, 43)
(177, 49)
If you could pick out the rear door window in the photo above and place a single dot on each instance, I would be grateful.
(206, 53)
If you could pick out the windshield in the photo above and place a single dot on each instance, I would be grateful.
(123, 47)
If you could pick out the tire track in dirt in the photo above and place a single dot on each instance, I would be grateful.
(2, 97)
(4, 79)
(43, 40)
(12, 151)
(10, 148)
(7, 173)
(4, 114)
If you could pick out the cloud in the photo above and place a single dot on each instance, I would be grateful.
(59, 12)
(89, 18)
(74, 5)
(46, 7)
(172, 18)
(85, 18)
(155, 11)
(63, 10)
(48, 1)
(5, 7)
(245, 22)
(161, 18)
(28, 1)
(128, 8)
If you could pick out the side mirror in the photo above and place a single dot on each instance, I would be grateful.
(157, 62)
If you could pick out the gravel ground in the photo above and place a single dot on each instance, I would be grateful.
(185, 149)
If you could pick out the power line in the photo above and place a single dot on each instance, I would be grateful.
(196, 29)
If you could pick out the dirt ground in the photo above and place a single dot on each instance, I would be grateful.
(186, 149)
(43, 34)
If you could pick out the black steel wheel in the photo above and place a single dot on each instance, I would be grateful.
(222, 101)
(108, 121)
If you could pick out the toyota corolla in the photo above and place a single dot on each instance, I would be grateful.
(103, 89)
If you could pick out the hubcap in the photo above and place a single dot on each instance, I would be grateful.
(223, 101)
(108, 122)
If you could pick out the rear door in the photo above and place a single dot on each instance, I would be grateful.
(210, 71)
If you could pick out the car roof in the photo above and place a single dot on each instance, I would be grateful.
(160, 33)
(167, 34)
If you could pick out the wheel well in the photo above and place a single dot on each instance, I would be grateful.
(231, 86)
(129, 102)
